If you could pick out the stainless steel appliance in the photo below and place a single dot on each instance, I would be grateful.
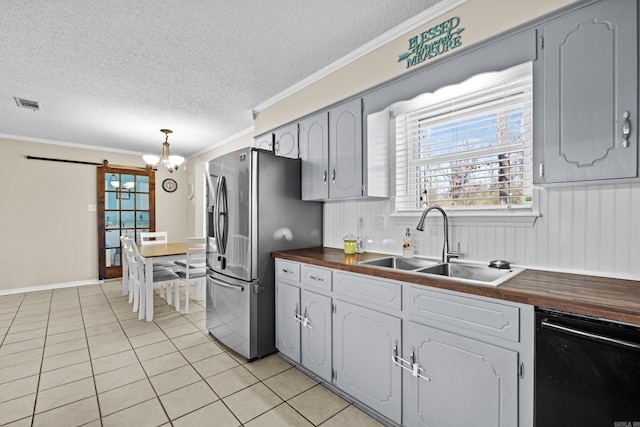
(254, 208)
(587, 371)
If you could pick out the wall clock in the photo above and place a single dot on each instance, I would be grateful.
(169, 185)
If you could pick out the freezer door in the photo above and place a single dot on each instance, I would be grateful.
(228, 313)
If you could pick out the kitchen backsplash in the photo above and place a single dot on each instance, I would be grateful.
(585, 229)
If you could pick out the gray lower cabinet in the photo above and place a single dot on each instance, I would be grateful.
(462, 381)
(303, 316)
(416, 355)
(287, 326)
(364, 341)
(316, 335)
(586, 95)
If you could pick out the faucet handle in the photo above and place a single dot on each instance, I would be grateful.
(454, 254)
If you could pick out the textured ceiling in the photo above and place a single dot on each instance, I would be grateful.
(112, 73)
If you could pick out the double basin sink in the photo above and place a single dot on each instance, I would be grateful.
(459, 271)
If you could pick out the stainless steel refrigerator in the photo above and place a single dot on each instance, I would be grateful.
(253, 208)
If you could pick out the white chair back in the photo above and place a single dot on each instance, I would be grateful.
(153, 237)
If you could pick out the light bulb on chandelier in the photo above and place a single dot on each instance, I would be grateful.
(170, 162)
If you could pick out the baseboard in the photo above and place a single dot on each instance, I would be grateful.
(50, 287)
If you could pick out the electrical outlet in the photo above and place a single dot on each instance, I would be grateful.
(379, 222)
(360, 223)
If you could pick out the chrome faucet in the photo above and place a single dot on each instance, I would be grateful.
(446, 253)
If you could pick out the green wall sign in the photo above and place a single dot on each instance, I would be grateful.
(435, 41)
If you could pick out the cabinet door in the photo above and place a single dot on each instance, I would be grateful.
(264, 142)
(590, 83)
(287, 327)
(362, 349)
(314, 152)
(471, 383)
(286, 141)
(345, 150)
(316, 336)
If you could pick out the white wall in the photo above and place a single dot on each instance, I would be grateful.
(48, 235)
(585, 229)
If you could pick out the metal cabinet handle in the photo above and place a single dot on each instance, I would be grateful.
(316, 278)
(333, 175)
(626, 129)
(284, 270)
(588, 335)
(324, 176)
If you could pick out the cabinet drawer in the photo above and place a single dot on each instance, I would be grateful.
(287, 270)
(365, 289)
(490, 318)
(316, 277)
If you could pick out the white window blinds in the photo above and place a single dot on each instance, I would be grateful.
(468, 146)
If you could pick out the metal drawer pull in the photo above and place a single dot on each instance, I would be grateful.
(414, 368)
(227, 285)
(284, 270)
(629, 344)
(316, 278)
(626, 129)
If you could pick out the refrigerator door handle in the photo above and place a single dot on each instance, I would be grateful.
(222, 207)
(226, 285)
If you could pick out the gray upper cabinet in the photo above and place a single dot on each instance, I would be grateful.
(286, 141)
(314, 152)
(345, 150)
(586, 95)
(331, 152)
(264, 142)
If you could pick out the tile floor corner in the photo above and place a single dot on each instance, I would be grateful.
(79, 356)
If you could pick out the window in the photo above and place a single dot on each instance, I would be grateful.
(467, 147)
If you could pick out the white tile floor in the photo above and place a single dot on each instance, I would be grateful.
(79, 356)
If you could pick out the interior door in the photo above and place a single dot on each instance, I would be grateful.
(126, 206)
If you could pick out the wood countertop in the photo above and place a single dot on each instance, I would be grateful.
(596, 296)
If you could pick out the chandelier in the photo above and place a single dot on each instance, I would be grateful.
(170, 162)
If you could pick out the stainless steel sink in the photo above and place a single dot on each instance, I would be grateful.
(468, 273)
(399, 263)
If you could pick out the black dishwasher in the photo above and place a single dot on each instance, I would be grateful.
(587, 371)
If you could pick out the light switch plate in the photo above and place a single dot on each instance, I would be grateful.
(92, 208)
(379, 222)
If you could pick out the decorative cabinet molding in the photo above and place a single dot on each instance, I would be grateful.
(586, 95)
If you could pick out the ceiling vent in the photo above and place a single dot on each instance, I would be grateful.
(25, 103)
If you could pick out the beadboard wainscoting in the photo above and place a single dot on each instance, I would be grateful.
(584, 229)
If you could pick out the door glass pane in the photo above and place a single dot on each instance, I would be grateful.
(142, 219)
(112, 239)
(142, 184)
(142, 202)
(128, 219)
(111, 200)
(126, 200)
(112, 219)
(129, 233)
(128, 182)
(113, 257)
(111, 181)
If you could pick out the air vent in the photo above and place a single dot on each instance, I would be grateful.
(25, 103)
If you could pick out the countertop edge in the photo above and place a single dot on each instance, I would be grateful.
(601, 297)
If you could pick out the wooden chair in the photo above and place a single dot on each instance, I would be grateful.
(193, 272)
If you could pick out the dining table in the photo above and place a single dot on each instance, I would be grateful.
(149, 254)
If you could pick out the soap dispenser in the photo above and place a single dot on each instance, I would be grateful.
(407, 245)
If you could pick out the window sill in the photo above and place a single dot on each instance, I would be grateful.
(486, 219)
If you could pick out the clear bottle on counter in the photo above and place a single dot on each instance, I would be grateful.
(407, 244)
